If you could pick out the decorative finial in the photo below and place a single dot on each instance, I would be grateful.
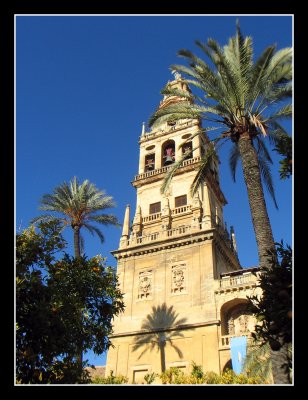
(176, 74)
(143, 128)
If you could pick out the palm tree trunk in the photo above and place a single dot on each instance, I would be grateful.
(162, 356)
(77, 254)
(280, 370)
(252, 177)
(262, 228)
(77, 240)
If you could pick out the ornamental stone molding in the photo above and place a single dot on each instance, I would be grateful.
(145, 285)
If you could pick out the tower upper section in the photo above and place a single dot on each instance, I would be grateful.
(176, 213)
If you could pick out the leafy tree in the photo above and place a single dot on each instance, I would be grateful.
(157, 334)
(274, 309)
(246, 101)
(78, 205)
(62, 306)
(284, 148)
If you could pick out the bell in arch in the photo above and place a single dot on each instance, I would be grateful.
(169, 155)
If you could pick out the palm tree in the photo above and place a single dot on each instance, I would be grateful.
(157, 326)
(245, 100)
(78, 205)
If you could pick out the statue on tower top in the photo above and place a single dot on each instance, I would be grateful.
(176, 74)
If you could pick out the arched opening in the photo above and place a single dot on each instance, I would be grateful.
(227, 366)
(236, 319)
(168, 153)
(187, 150)
(149, 163)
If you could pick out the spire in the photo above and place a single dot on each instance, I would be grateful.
(176, 74)
(180, 84)
(233, 241)
(125, 231)
(137, 218)
(143, 129)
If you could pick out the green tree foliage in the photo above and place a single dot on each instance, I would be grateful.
(284, 148)
(62, 305)
(110, 380)
(274, 309)
(78, 205)
(175, 376)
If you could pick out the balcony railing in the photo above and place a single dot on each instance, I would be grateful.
(246, 278)
(154, 236)
(180, 230)
(226, 339)
(165, 169)
(151, 217)
(181, 210)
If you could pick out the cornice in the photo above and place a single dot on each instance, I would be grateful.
(145, 248)
(175, 328)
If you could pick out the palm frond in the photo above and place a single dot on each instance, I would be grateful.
(262, 150)
(167, 91)
(257, 75)
(105, 219)
(168, 178)
(233, 160)
(48, 218)
(275, 132)
(174, 112)
(206, 160)
(283, 112)
(267, 177)
(94, 230)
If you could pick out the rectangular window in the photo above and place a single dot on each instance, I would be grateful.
(139, 375)
(155, 208)
(180, 201)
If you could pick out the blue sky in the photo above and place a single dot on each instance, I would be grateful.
(85, 84)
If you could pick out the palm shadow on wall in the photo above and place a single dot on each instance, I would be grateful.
(158, 325)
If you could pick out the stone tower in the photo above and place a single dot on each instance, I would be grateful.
(177, 265)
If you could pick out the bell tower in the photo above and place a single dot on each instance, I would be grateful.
(171, 258)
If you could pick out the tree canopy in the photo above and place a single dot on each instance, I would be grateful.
(63, 304)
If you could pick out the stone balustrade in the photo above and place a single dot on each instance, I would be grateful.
(151, 217)
(181, 210)
(244, 279)
(225, 340)
(162, 170)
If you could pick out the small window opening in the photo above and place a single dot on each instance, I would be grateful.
(155, 208)
(180, 201)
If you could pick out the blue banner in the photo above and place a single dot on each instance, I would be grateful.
(238, 347)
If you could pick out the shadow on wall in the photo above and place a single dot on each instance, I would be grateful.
(158, 333)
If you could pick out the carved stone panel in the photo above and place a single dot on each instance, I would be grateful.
(145, 285)
(178, 279)
(240, 322)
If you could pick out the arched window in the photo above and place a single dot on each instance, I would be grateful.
(149, 164)
(187, 150)
(168, 153)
